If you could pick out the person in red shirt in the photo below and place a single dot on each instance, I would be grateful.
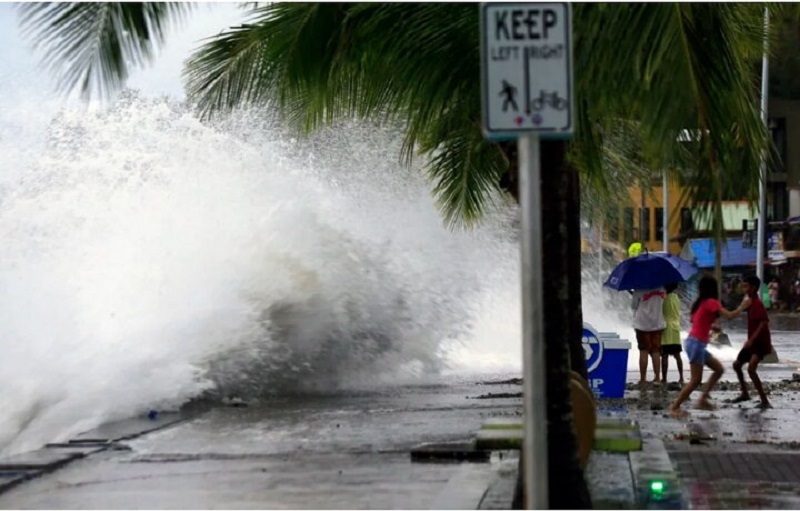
(705, 311)
(758, 344)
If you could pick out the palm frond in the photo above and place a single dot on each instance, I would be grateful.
(686, 69)
(325, 62)
(92, 46)
(265, 58)
(464, 167)
(609, 158)
(229, 71)
(322, 49)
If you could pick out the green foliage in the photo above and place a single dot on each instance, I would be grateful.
(644, 74)
(91, 46)
(413, 64)
(685, 69)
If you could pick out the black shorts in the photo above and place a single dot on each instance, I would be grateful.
(671, 349)
(649, 341)
(745, 354)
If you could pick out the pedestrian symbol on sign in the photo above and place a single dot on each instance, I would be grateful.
(510, 92)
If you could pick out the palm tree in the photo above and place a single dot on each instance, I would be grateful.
(91, 47)
(660, 67)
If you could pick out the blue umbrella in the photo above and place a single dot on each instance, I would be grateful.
(650, 271)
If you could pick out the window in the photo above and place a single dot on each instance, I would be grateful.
(644, 223)
(659, 224)
(627, 225)
(777, 202)
(612, 220)
(791, 238)
(687, 223)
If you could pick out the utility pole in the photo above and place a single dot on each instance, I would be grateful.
(762, 186)
(665, 214)
(642, 230)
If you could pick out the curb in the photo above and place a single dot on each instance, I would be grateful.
(655, 481)
(464, 490)
(9, 479)
(29, 465)
(500, 493)
(612, 434)
(615, 437)
(449, 452)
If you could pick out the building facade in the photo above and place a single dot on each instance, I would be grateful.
(642, 218)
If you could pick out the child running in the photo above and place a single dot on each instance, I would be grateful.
(758, 344)
(671, 339)
(704, 311)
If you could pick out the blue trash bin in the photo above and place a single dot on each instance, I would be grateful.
(606, 361)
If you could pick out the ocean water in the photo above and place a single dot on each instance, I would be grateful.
(149, 259)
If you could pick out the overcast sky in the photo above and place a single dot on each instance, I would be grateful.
(20, 76)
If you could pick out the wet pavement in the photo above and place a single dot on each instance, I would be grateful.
(345, 451)
(352, 450)
(735, 457)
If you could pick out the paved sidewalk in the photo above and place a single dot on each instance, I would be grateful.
(326, 452)
(732, 475)
(736, 457)
(354, 453)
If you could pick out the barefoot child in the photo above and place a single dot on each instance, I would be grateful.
(758, 344)
(671, 339)
(704, 311)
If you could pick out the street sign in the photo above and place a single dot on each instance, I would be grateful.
(526, 86)
(526, 63)
(776, 256)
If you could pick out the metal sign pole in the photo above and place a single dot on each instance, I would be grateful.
(533, 369)
(527, 92)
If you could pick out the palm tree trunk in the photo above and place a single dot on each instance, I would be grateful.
(563, 326)
(509, 182)
(563, 323)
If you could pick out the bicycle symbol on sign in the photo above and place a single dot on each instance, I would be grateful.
(553, 100)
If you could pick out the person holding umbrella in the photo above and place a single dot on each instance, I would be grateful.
(705, 311)
(645, 276)
(649, 324)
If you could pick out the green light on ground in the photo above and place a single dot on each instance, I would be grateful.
(657, 486)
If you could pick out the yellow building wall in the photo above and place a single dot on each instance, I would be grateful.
(733, 213)
(654, 198)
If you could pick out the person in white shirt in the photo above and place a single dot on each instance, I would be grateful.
(649, 324)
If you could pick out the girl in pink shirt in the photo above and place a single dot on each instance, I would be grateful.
(705, 311)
